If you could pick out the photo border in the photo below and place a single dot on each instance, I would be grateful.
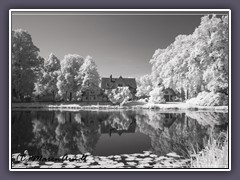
(122, 10)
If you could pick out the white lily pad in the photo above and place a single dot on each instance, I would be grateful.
(55, 166)
(173, 154)
(95, 166)
(147, 159)
(88, 154)
(136, 154)
(153, 155)
(45, 166)
(58, 164)
(138, 159)
(83, 167)
(130, 159)
(131, 163)
(69, 166)
(117, 156)
(49, 162)
(19, 165)
(160, 158)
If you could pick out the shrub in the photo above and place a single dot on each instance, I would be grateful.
(157, 96)
(119, 95)
(209, 99)
(215, 154)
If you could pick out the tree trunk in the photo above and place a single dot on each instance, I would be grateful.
(187, 94)
(88, 95)
(70, 98)
(21, 97)
(53, 94)
(65, 97)
(182, 95)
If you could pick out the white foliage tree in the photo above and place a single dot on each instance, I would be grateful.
(69, 81)
(144, 85)
(157, 96)
(26, 64)
(89, 74)
(119, 95)
(47, 82)
(195, 62)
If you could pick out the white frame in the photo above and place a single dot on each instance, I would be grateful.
(120, 10)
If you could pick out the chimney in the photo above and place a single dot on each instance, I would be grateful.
(111, 78)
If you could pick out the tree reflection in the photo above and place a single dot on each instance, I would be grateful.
(55, 133)
(176, 132)
(67, 133)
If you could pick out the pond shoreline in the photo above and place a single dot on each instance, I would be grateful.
(127, 106)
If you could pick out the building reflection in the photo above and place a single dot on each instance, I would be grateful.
(54, 133)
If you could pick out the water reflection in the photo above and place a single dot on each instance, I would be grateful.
(54, 133)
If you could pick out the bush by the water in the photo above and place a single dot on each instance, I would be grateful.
(209, 99)
(157, 96)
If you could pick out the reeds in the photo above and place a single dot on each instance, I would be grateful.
(215, 154)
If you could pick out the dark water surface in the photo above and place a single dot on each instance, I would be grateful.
(55, 133)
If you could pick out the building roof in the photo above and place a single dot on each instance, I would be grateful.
(131, 82)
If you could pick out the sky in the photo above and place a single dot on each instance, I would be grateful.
(120, 44)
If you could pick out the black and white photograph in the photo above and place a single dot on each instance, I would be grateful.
(119, 90)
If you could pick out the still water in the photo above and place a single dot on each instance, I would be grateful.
(55, 133)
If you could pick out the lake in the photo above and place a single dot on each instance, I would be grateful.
(104, 133)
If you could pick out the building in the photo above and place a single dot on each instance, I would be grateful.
(113, 83)
(169, 94)
(96, 93)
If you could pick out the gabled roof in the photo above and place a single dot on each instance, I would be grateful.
(131, 82)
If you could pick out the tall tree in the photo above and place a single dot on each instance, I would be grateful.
(25, 64)
(213, 41)
(89, 74)
(47, 82)
(69, 81)
(195, 62)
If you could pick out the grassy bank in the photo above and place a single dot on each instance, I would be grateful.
(106, 106)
